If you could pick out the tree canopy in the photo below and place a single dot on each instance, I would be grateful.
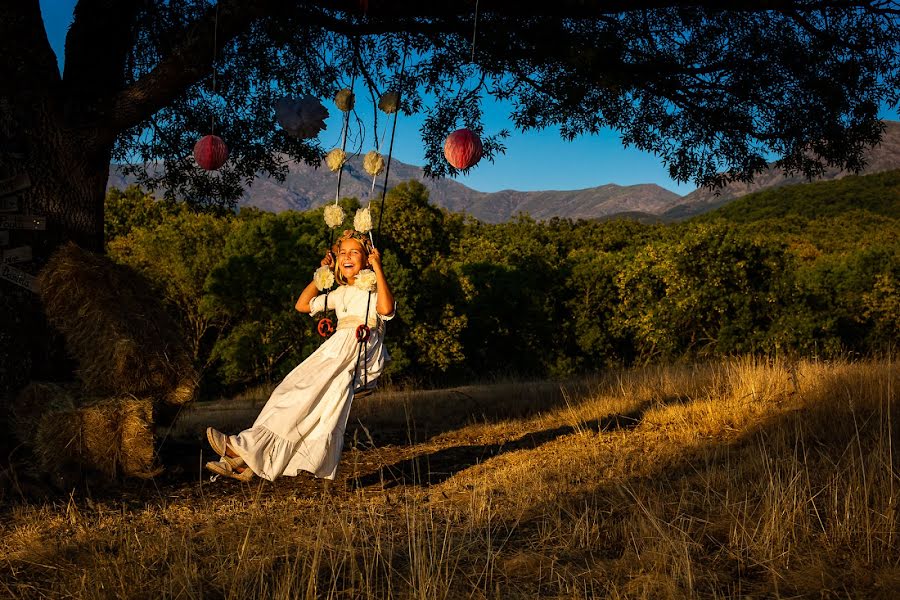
(798, 276)
(713, 88)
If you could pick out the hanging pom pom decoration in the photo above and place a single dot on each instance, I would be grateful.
(323, 278)
(335, 159)
(365, 280)
(373, 163)
(334, 215)
(325, 327)
(303, 118)
(389, 102)
(210, 152)
(362, 333)
(462, 149)
(345, 100)
(362, 221)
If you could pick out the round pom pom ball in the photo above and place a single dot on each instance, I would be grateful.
(335, 159)
(389, 102)
(345, 99)
(373, 163)
(303, 118)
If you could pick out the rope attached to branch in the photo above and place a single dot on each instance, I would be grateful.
(387, 172)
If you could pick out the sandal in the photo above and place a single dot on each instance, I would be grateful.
(218, 441)
(228, 467)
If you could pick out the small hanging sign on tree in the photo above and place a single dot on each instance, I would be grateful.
(9, 204)
(17, 255)
(32, 222)
(18, 277)
(15, 184)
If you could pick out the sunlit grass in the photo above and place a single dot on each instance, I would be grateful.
(746, 478)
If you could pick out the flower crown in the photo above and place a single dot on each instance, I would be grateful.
(352, 234)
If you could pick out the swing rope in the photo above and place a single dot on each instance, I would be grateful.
(326, 327)
(362, 338)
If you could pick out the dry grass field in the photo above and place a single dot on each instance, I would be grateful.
(741, 479)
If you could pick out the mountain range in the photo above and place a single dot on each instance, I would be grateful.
(306, 187)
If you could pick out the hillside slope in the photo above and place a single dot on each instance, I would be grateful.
(877, 194)
(883, 157)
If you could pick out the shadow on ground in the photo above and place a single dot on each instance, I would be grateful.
(426, 468)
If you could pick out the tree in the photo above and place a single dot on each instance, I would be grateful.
(177, 254)
(132, 208)
(266, 262)
(711, 87)
(712, 290)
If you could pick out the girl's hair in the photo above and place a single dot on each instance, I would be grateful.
(349, 234)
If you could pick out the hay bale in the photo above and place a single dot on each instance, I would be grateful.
(113, 436)
(137, 453)
(116, 328)
(33, 402)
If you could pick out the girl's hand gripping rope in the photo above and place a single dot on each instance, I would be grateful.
(328, 261)
(375, 260)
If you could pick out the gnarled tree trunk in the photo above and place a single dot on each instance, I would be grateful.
(52, 130)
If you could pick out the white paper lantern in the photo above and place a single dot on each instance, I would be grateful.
(303, 118)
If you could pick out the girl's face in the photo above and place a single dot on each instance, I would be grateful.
(351, 258)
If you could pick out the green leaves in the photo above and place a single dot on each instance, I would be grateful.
(534, 298)
(704, 289)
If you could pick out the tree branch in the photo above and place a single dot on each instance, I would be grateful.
(188, 63)
(191, 60)
(97, 45)
(97, 48)
(579, 8)
(27, 62)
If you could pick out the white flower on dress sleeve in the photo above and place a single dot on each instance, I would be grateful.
(323, 278)
(334, 215)
(365, 280)
(362, 221)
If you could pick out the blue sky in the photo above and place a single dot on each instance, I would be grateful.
(533, 161)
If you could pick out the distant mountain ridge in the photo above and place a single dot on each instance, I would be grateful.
(883, 157)
(306, 187)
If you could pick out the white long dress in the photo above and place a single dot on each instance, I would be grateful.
(301, 427)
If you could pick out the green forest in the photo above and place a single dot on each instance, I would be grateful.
(805, 270)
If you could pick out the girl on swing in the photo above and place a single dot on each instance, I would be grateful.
(301, 427)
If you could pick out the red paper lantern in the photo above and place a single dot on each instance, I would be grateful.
(210, 152)
(462, 149)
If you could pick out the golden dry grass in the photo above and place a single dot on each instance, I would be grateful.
(744, 479)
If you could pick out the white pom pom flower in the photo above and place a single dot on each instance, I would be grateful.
(365, 280)
(335, 159)
(373, 163)
(389, 102)
(362, 221)
(323, 278)
(334, 215)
